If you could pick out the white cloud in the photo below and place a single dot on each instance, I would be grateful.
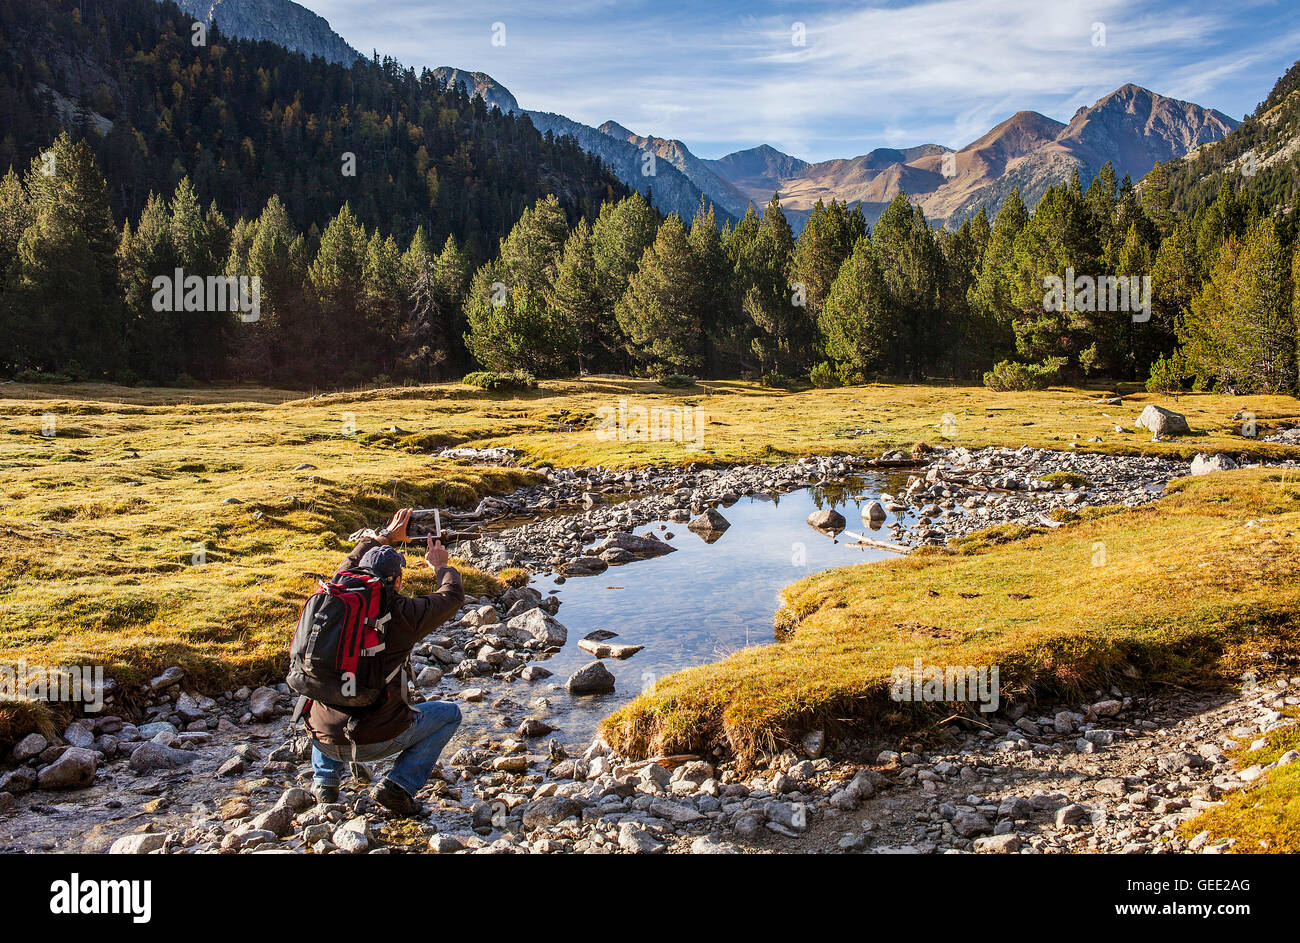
(897, 74)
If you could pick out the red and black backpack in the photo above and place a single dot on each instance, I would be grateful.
(336, 653)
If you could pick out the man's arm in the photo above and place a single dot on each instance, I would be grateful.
(395, 531)
(423, 614)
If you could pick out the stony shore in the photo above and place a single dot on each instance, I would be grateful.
(187, 773)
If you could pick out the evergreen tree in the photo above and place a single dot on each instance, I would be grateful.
(576, 297)
(1239, 334)
(660, 311)
(68, 299)
(857, 319)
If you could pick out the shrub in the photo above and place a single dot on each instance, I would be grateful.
(498, 382)
(1168, 375)
(824, 376)
(676, 381)
(40, 376)
(849, 375)
(1009, 376)
(776, 380)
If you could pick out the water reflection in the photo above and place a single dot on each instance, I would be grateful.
(714, 596)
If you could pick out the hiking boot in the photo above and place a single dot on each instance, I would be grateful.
(325, 795)
(396, 799)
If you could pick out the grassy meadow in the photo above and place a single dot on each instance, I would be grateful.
(164, 526)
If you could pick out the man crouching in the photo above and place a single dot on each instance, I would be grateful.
(391, 725)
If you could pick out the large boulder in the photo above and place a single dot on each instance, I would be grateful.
(584, 566)
(262, 703)
(873, 513)
(593, 678)
(709, 523)
(74, 769)
(1205, 464)
(540, 626)
(1162, 422)
(827, 519)
(639, 547)
(154, 757)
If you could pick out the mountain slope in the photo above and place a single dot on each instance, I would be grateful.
(1261, 156)
(245, 120)
(278, 21)
(480, 84)
(669, 189)
(719, 190)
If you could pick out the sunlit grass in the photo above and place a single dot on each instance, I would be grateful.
(1182, 591)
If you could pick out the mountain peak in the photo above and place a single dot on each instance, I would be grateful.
(479, 84)
(282, 22)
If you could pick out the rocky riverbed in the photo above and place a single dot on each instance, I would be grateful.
(188, 773)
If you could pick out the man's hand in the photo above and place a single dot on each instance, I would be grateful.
(436, 556)
(397, 526)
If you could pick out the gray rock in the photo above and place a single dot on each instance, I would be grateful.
(172, 675)
(709, 522)
(608, 649)
(79, 734)
(74, 769)
(155, 757)
(636, 840)
(18, 781)
(1162, 422)
(1008, 844)
(708, 845)
(549, 811)
(149, 731)
(813, 742)
(353, 836)
(827, 519)
(1073, 814)
(540, 626)
(970, 824)
(593, 678)
(261, 704)
(29, 746)
(1204, 464)
(140, 844)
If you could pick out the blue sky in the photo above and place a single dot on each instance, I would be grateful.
(723, 75)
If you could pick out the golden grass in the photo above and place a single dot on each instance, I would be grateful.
(120, 550)
(1180, 591)
(1263, 818)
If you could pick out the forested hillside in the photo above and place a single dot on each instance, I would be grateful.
(1262, 156)
(467, 239)
(248, 120)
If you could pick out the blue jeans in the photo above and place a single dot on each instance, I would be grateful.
(418, 747)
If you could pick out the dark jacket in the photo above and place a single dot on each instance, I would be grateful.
(414, 617)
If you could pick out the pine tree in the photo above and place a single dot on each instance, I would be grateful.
(857, 319)
(828, 236)
(659, 312)
(68, 304)
(1239, 333)
(576, 296)
(783, 336)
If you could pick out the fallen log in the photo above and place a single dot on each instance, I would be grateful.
(878, 544)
